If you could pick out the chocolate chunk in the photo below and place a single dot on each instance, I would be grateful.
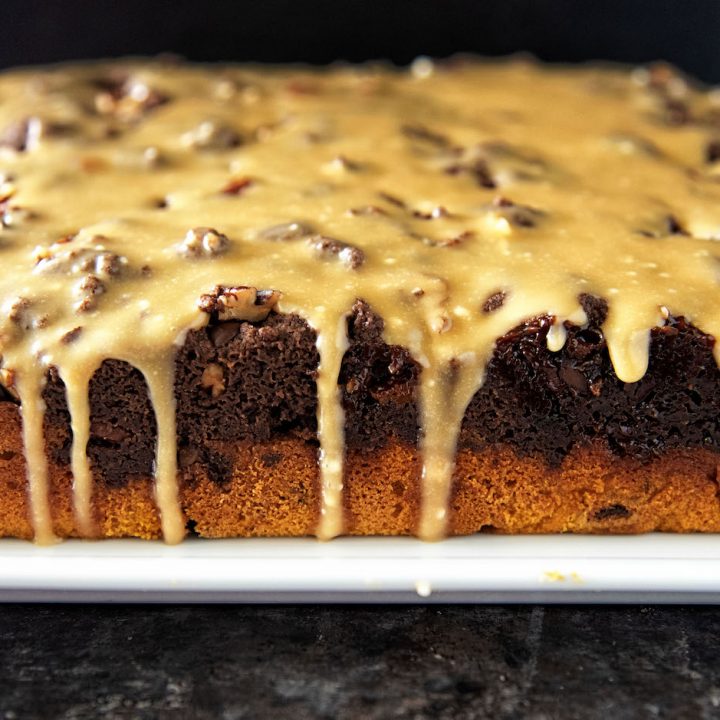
(612, 512)
(187, 456)
(222, 333)
(271, 459)
(574, 378)
(673, 226)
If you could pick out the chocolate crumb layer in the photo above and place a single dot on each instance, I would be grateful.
(538, 402)
(542, 402)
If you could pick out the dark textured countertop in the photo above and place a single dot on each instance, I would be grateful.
(298, 662)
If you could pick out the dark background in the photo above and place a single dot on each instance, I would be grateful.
(454, 663)
(686, 32)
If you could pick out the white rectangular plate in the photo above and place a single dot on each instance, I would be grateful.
(482, 568)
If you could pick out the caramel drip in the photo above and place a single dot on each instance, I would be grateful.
(29, 384)
(331, 423)
(445, 392)
(457, 201)
(77, 387)
(160, 378)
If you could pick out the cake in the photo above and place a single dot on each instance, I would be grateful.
(460, 297)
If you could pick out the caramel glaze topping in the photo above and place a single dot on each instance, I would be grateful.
(457, 200)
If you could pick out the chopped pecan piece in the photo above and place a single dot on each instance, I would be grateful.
(451, 241)
(366, 210)
(239, 303)
(108, 264)
(494, 301)
(127, 98)
(11, 215)
(515, 214)
(392, 199)
(71, 336)
(424, 134)
(344, 163)
(666, 225)
(434, 214)
(237, 186)
(478, 169)
(209, 135)
(213, 379)
(64, 256)
(661, 77)
(433, 298)
(22, 135)
(634, 144)
(303, 86)
(7, 382)
(203, 242)
(675, 112)
(454, 240)
(667, 90)
(349, 255)
(508, 163)
(19, 311)
(87, 292)
(152, 157)
(286, 231)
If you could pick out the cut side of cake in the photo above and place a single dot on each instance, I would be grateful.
(461, 297)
